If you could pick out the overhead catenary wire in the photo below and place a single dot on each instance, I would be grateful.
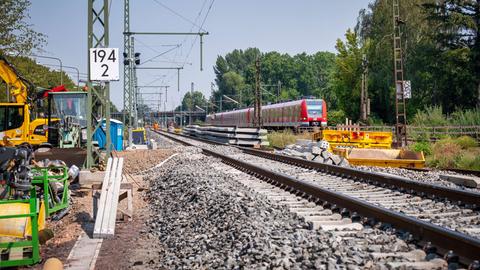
(178, 14)
(201, 27)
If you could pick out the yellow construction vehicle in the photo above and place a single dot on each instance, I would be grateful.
(18, 123)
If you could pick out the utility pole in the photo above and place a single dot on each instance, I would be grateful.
(364, 100)
(279, 90)
(192, 86)
(400, 104)
(127, 94)
(257, 121)
(97, 37)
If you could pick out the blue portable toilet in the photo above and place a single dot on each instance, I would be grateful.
(116, 134)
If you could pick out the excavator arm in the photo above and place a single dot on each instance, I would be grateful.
(18, 86)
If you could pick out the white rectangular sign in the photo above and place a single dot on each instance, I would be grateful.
(407, 89)
(104, 64)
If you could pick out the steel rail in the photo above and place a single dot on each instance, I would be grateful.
(452, 194)
(466, 247)
(401, 183)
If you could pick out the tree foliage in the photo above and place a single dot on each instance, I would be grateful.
(41, 76)
(440, 51)
(191, 100)
(16, 34)
(347, 73)
(283, 77)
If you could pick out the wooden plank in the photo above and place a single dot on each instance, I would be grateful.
(103, 197)
(114, 206)
(108, 200)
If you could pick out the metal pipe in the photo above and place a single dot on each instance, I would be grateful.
(201, 52)
(78, 71)
(166, 33)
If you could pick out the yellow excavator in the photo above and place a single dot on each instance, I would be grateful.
(18, 124)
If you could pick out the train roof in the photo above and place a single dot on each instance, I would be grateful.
(271, 106)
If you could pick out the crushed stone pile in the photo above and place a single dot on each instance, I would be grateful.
(313, 151)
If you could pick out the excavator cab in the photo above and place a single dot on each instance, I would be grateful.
(67, 118)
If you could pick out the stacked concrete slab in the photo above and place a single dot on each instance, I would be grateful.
(313, 151)
(229, 135)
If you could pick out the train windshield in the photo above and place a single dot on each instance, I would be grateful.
(314, 107)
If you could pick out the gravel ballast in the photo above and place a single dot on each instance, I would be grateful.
(205, 219)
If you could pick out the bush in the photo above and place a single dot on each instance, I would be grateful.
(466, 142)
(469, 161)
(465, 118)
(446, 154)
(426, 147)
(430, 116)
(336, 117)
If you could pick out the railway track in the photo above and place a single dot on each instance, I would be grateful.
(368, 197)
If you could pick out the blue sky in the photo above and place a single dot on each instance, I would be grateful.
(271, 25)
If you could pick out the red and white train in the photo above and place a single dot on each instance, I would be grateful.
(292, 114)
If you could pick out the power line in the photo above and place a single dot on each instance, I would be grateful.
(203, 22)
(171, 73)
(178, 14)
(167, 51)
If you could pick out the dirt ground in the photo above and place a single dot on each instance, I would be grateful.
(115, 253)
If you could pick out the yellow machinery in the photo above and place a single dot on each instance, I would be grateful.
(369, 148)
(355, 138)
(16, 124)
(382, 157)
(139, 136)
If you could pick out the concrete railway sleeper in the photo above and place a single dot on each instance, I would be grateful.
(417, 227)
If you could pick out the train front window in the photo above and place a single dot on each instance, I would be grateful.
(314, 108)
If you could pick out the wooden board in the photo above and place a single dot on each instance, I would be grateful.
(107, 207)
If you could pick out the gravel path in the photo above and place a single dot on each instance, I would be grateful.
(206, 219)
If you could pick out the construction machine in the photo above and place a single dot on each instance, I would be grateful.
(29, 193)
(18, 124)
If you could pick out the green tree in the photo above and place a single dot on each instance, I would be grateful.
(457, 36)
(189, 103)
(348, 72)
(16, 34)
(41, 76)
(299, 75)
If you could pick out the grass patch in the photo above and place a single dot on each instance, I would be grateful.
(466, 142)
(461, 153)
(280, 139)
(426, 147)
(469, 161)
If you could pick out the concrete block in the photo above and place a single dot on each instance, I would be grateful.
(303, 142)
(325, 154)
(308, 156)
(328, 161)
(462, 180)
(316, 150)
(344, 162)
(336, 159)
(86, 177)
(137, 147)
(296, 153)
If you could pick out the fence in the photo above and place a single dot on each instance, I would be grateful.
(416, 133)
